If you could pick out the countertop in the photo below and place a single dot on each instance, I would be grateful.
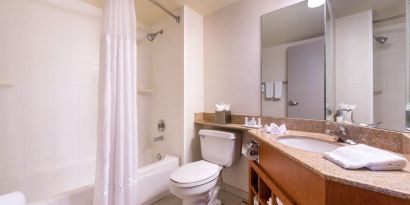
(395, 183)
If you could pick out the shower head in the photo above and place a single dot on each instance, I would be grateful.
(151, 36)
(381, 39)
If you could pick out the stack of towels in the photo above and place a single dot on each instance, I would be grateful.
(364, 156)
(13, 198)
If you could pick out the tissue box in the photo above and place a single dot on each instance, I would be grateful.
(222, 117)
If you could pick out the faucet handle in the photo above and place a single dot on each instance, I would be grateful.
(343, 130)
(328, 132)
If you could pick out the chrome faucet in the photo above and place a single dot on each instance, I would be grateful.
(342, 135)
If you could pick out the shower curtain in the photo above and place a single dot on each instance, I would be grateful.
(117, 124)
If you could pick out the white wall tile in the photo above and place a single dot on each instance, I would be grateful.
(38, 148)
(88, 97)
(88, 121)
(67, 120)
(67, 72)
(66, 96)
(66, 145)
(89, 74)
(40, 121)
(11, 157)
(12, 117)
(88, 145)
(40, 96)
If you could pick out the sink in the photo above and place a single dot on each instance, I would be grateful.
(312, 145)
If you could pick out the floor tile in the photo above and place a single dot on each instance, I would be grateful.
(225, 197)
(168, 200)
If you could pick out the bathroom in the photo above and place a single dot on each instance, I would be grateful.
(191, 56)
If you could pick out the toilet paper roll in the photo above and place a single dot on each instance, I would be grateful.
(250, 150)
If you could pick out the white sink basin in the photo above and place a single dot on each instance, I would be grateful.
(308, 144)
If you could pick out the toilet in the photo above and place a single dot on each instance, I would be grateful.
(192, 182)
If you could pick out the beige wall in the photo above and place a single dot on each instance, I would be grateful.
(232, 64)
(233, 53)
(193, 80)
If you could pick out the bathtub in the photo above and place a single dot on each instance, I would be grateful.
(78, 192)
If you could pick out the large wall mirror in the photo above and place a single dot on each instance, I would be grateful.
(345, 61)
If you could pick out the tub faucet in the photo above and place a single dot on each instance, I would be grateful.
(342, 134)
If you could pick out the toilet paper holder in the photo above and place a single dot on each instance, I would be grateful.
(250, 150)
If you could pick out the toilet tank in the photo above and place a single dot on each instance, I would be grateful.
(220, 147)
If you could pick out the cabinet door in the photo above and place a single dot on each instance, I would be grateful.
(300, 184)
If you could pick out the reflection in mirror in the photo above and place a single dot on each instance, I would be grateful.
(366, 62)
(293, 57)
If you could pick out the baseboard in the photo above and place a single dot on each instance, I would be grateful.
(235, 191)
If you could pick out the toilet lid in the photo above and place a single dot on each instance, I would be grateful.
(195, 172)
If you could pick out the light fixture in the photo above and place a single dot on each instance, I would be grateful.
(315, 3)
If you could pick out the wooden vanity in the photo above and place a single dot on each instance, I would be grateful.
(292, 183)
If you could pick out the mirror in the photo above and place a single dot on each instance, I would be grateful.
(367, 68)
(345, 61)
(293, 62)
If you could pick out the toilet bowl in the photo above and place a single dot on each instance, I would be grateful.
(193, 182)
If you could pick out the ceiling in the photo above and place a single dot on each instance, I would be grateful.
(293, 23)
(381, 8)
(148, 13)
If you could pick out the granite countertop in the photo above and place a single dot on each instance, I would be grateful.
(395, 183)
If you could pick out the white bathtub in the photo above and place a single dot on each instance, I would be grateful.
(152, 182)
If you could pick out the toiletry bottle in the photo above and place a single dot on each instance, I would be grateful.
(253, 122)
(246, 121)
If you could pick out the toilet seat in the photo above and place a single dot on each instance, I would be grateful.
(195, 174)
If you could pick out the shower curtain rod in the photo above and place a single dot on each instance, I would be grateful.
(177, 18)
(389, 18)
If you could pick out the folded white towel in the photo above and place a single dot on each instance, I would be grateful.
(275, 129)
(13, 198)
(360, 155)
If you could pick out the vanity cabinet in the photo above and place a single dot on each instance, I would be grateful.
(277, 175)
(263, 188)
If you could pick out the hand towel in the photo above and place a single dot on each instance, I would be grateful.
(269, 89)
(278, 89)
(13, 198)
(360, 155)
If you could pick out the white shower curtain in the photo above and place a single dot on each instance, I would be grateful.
(117, 124)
